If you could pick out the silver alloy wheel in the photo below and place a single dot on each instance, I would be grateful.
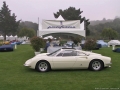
(43, 66)
(96, 65)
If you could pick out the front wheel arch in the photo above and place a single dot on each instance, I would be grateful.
(42, 61)
(102, 64)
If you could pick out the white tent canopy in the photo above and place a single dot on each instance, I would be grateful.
(60, 18)
(80, 31)
(114, 42)
(16, 36)
(1, 36)
(51, 37)
(10, 36)
(75, 31)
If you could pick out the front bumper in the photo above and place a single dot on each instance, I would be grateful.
(26, 65)
(108, 65)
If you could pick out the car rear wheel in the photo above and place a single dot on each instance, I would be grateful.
(96, 65)
(43, 66)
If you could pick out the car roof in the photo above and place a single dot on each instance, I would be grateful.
(68, 48)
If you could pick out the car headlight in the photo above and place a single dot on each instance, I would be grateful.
(28, 62)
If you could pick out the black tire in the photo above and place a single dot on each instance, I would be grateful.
(42, 66)
(96, 65)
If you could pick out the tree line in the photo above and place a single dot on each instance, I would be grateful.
(100, 28)
(9, 25)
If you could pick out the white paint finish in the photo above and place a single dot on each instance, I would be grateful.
(68, 62)
(81, 62)
(64, 62)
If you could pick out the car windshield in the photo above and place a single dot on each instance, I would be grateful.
(53, 53)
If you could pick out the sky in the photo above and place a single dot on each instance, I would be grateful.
(30, 10)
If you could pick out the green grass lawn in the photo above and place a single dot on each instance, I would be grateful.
(14, 76)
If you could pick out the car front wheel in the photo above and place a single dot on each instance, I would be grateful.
(43, 66)
(96, 65)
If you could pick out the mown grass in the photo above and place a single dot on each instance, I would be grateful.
(14, 76)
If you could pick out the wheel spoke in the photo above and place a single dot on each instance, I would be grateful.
(43, 66)
(96, 65)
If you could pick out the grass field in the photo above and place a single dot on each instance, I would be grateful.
(14, 76)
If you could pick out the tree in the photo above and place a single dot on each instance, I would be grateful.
(8, 23)
(73, 14)
(109, 33)
(86, 26)
(37, 43)
(28, 24)
(90, 44)
(27, 32)
(97, 26)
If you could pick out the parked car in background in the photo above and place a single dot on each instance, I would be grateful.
(69, 43)
(103, 44)
(6, 48)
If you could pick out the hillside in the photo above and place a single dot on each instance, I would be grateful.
(96, 27)
(96, 22)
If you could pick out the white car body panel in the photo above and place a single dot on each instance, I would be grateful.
(82, 62)
(68, 62)
(64, 62)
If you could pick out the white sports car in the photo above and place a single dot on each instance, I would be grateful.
(67, 58)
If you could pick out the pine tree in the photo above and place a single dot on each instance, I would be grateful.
(73, 14)
(8, 23)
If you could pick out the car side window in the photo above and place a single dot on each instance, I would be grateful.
(80, 54)
(65, 53)
(74, 53)
(68, 53)
(60, 54)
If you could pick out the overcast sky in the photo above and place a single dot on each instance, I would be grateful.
(30, 10)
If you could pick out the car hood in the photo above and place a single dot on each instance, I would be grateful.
(93, 54)
(36, 57)
(42, 54)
